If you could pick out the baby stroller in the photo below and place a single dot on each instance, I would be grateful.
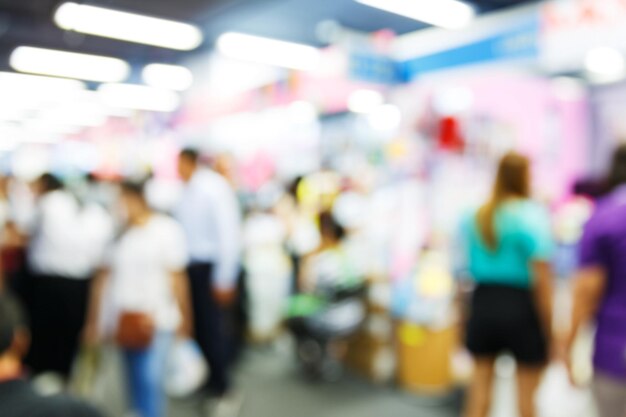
(320, 323)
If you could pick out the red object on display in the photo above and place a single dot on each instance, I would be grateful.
(450, 137)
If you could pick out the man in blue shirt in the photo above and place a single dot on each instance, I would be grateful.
(210, 216)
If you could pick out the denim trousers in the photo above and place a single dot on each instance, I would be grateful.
(146, 372)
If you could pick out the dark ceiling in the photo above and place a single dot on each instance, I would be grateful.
(29, 22)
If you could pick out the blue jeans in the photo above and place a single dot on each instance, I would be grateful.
(146, 372)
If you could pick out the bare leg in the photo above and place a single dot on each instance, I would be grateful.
(479, 399)
(528, 379)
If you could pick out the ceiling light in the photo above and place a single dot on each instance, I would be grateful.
(452, 100)
(8, 144)
(38, 83)
(39, 130)
(93, 100)
(9, 138)
(302, 112)
(128, 27)
(364, 101)
(69, 64)
(385, 118)
(9, 114)
(170, 77)
(605, 61)
(269, 51)
(139, 97)
(448, 14)
(23, 93)
(78, 115)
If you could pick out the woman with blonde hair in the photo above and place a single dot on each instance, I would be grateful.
(507, 245)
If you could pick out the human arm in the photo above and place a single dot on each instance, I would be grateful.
(306, 274)
(180, 289)
(228, 228)
(175, 259)
(91, 333)
(536, 232)
(13, 236)
(588, 290)
(544, 295)
(589, 284)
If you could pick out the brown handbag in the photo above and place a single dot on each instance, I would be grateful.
(135, 330)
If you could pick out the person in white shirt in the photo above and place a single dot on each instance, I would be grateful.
(144, 277)
(63, 253)
(210, 216)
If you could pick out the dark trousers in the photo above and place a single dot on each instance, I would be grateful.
(210, 326)
(57, 307)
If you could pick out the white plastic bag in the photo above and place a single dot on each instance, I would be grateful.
(186, 369)
(558, 398)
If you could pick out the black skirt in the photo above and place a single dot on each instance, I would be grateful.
(504, 319)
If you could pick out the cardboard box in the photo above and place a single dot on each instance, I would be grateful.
(425, 357)
(370, 357)
(371, 352)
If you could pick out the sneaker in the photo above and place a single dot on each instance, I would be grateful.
(229, 405)
(49, 384)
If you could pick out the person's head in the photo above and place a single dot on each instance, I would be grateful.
(294, 186)
(513, 177)
(512, 181)
(330, 230)
(14, 334)
(224, 165)
(47, 183)
(134, 201)
(91, 178)
(617, 173)
(187, 163)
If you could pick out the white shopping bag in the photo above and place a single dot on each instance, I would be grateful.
(558, 398)
(186, 369)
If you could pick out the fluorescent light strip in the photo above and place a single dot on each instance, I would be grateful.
(22, 94)
(69, 64)
(37, 127)
(130, 27)
(13, 80)
(448, 14)
(139, 97)
(78, 115)
(269, 51)
(170, 77)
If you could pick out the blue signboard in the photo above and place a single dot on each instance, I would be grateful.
(375, 69)
(517, 43)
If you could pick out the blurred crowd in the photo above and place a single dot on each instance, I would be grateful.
(93, 262)
(96, 261)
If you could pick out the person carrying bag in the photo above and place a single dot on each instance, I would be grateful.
(147, 297)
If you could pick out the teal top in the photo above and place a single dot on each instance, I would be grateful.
(524, 235)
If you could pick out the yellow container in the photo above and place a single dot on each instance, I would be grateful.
(425, 357)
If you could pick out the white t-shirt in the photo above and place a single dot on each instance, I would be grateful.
(68, 240)
(141, 264)
(57, 237)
